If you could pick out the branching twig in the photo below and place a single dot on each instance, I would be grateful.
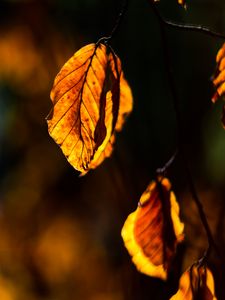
(190, 27)
(175, 99)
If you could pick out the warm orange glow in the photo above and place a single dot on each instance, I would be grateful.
(152, 232)
(21, 61)
(196, 283)
(90, 99)
(182, 2)
(7, 291)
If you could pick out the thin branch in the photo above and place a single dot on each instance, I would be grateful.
(196, 28)
(117, 24)
(189, 27)
(175, 99)
(119, 18)
(163, 170)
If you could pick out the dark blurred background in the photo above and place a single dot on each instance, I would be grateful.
(60, 234)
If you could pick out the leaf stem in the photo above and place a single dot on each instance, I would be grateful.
(175, 99)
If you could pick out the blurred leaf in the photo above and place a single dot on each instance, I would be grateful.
(196, 283)
(21, 61)
(152, 232)
(182, 2)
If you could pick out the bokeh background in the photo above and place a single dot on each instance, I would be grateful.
(60, 234)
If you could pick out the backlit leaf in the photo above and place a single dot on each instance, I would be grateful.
(196, 284)
(152, 232)
(90, 100)
(219, 79)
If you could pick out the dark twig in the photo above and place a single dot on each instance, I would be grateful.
(196, 28)
(119, 19)
(163, 170)
(117, 24)
(189, 27)
(175, 99)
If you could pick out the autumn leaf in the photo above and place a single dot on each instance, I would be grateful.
(219, 79)
(90, 99)
(151, 233)
(196, 284)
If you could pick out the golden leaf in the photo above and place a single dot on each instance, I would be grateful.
(90, 98)
(152, 232)
(219, 79)
(196, 284)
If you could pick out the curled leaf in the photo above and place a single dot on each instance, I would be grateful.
(123, 110)
(90, 100)
(151, 233)
(196, 283)
(219, 79)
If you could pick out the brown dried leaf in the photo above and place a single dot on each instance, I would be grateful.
(196, 284)
(90, 98)
(152, 232)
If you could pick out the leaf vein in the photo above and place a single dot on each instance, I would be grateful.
(63, 78)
